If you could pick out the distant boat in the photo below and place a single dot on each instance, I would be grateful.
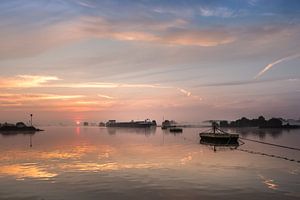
(216, 136)
(132, 124)
(101, 124)
(168, 124)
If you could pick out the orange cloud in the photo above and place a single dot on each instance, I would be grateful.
(105, 96)
(79, 102)
(33, 97)
(157, 33)
(25, 81)
(198, 38)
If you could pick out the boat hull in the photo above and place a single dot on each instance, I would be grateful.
(219, 139)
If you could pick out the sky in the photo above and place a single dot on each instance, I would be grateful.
(80, 60)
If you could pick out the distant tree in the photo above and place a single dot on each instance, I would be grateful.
(261, 118)
(261, 121)
(243, 122)
(274, 123)
(224, 123)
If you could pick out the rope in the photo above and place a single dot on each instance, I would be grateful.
(269, 155)
(276, 145)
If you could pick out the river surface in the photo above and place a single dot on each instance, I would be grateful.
(116, 163)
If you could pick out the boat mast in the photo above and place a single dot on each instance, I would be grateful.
(214, 125)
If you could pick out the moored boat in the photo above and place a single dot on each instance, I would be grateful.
(216, 136)
(168, 124)
(132, 124)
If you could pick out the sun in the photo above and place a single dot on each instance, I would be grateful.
(77, 123)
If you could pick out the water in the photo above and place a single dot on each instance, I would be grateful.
(99, 163)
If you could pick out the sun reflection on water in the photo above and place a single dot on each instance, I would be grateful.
(26, 170)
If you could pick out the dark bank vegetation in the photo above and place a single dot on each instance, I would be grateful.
(260, 122)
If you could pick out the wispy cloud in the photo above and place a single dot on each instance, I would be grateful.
(25, 81)
(189, 94)
(30, 81)
(79, 102)
(66, 31)
(105, 96)
(216, 12)
(35, 96)
(168, 33)
(245, 82)
(86, 4)
(269, 66)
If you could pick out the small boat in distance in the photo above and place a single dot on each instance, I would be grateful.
(168, 124)
(132, 124)
(218, 137)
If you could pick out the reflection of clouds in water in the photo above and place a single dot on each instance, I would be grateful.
(75, 152)
(294, 171)
(186, 159)
(111, 166)
(270, 183)
(44, 160)
(26, 170)
(88, 158)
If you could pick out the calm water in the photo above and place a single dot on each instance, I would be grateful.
(99, 163)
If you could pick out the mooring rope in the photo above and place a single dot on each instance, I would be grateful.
(276, 145)
(269, 155)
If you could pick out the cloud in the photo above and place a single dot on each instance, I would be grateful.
(38, 39)
(10, 97)
(216, 12)
(269, 66)
(77, 102)
(189, 94)
(87, 102)
(25, 81)
(105, 96)
(168, 33)
(25, 41)
(86, 4)
(28, 81)
(203, 38)
(245, 82)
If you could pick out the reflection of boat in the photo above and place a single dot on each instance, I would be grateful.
(218, 137)
(130, 130)
(132, 124)
(176, 130)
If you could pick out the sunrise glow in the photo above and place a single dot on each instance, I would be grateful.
(186, 60)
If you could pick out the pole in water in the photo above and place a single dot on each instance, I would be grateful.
(31, 119)
(30, 141)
